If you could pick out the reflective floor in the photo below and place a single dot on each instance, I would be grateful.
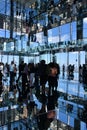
(64, 109)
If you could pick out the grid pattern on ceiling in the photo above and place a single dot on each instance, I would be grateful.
(5, 5)
(57, 13)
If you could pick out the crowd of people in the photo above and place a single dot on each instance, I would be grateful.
(30, 75)
(37, 75)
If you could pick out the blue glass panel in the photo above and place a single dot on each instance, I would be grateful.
(84, 33)
(74, 35)
(55, 31)
(85, 22)
(4, 33)
(65, 28)
(73, 24)
(49, 33)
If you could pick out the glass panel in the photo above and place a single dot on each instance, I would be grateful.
(40, 38)
(85, 27)
(72, 89)
(4, 33)
(36, 59)
(4, 59)
(85, 22)
(31, 59)
(81, 90)
(62, 86)
(84, 33)
(73, 24)
(73, 61)
(74, 35)
(64, 119)
(71, 121)
(43, 57)
(16, 60)
(65, 28)
(48, 58)
(55, 31)
(50, 36)
(10, 58)
(53, 35)
(61, 59)
(10, 46)
(65, 37)
(26, 59)
(83, 126)
(18, 45)
(82, 57)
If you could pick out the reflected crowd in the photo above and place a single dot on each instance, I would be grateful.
(30, 75)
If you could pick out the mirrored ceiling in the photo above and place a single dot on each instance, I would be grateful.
(38, 15)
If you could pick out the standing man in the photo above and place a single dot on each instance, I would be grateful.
(43, 75)
(53, 76)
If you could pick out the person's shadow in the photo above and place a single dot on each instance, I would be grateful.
(47, 113)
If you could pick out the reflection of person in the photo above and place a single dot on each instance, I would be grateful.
(53, 76)
(41, 118)
(21, 69)
(47, 113)
(43, 74)
(15, 71)
(45, 118)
